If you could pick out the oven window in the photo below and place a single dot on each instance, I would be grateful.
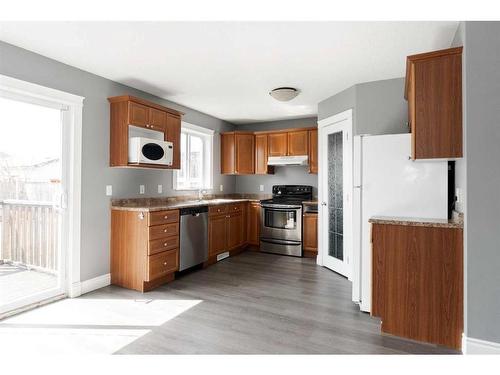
(280, 219)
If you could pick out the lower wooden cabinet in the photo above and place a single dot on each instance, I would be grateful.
(417, 282)
(226, 228)
(253, 223)
(144, 248)
(310, 234)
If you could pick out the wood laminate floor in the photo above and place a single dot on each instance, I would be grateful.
(253, 303)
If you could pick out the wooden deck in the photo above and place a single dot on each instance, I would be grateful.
(18, 282)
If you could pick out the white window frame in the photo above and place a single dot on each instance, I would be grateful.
(72, 108)
(208, 167)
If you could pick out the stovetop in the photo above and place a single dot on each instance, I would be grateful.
(289, 195)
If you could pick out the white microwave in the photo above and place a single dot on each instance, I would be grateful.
(149, 151)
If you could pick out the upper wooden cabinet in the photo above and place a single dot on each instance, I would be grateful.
(173, 134)
(277, 144)
(237, 153)
(298, 143)
(248, 152)
(313, 151)
(433, 89)
(129, 110)
(261, 155)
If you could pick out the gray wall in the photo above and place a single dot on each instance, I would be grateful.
(283, 175)
(482, 134)
(337, 103)
(96, 173)
(381, 107)
(277, 125)
(378, 107)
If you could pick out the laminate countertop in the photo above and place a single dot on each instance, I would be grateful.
(457, 221)
(171, 203)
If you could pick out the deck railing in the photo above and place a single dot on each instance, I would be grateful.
(30, 234)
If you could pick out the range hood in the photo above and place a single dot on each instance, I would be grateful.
(287, 160)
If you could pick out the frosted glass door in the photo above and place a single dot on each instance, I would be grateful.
(335, 196)
(335, 191)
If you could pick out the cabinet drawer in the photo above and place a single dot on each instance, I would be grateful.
(217, 210)
(162, 231)
(162, 264)
(235, 207)
(163, 217)
(163, 244)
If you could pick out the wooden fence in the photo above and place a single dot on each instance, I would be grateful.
(30, 234)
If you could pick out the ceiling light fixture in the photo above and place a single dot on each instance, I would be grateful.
(284, 94)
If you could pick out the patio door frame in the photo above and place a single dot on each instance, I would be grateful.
(71, 107)
(341, 122)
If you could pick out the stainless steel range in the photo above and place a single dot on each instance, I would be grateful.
(281, 224)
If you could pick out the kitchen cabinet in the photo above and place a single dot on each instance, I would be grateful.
(253, 226)
(313, 151)
(237, 153)
(128, 110)
(278, 144)
(298, 142)
(173, 134)
(144, 248)
(433, 89)
(310, 234)
(417, 282)
(226, 228)
(261, 154)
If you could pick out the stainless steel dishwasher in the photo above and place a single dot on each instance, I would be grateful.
(194, 236)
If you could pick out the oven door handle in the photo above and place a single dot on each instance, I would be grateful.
(282, 208)
(280, 242)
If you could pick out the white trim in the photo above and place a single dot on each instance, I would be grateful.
(17, 86)
(196, 128)
(95, 283)
(208, 138)
(477, 346)
(335, 118)
(72, 106)
(348, 189)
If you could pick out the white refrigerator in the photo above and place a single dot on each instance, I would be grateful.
(388, 183)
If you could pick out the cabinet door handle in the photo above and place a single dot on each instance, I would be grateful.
(165, 217)
(164, 231)
(164, 263)
(165, 244)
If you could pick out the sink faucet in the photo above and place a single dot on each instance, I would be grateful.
(200, 194)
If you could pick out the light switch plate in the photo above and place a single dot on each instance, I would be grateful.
(261, 187)
(221, 187)
(458, 195)
(142, 189)
(160, 189)
(109, 190)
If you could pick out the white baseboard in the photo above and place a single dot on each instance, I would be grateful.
(95, 283)
(476, 346)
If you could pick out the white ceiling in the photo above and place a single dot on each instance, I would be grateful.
(226, 69)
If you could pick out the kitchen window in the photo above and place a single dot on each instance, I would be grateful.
(196, 159)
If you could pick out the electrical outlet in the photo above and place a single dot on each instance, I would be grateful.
(458, 195)
(160, 189)
(261, 187)
(221, 187)
(142, 189)
(109, 190)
